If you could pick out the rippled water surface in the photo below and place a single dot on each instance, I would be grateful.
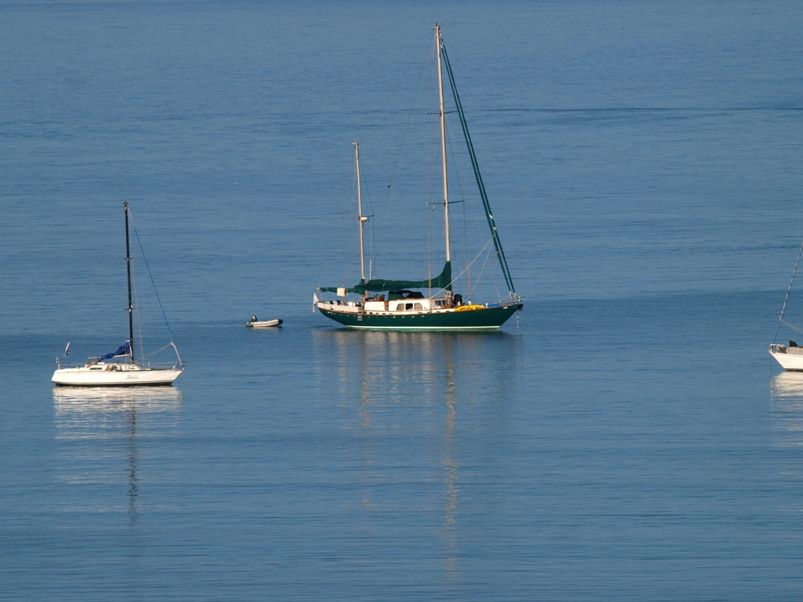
(625, 437)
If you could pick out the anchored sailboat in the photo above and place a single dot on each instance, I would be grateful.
(120, 367)
(789, 356)
(431, 303)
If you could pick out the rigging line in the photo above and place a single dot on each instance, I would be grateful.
(482, 273)
(797, 329)
(469, 286)
(160, 349)
(428, 236)
(456, 176)
(480, 184)
(153, 283)
(367, 199)
(470, 263)
(426, 67)
(475, 165)
(137, 314)
(358, 190)
(135, 294)
(788, 291)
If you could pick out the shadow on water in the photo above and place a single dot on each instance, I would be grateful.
(98, 434)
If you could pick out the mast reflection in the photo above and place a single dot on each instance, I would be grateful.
(450, 464)
(96, 426)
(387, 373)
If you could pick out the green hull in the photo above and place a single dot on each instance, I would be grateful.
(488, 318)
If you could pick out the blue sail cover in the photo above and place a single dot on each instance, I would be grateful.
(123, 350)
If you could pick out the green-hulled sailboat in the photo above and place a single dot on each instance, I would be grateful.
(427, 304)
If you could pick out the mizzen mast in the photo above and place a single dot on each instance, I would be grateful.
(361, 219)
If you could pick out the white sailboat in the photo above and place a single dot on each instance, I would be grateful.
(789, 356)
(120, 367)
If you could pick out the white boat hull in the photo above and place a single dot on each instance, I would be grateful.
(114, 375)
(264, 323)
(789, 358)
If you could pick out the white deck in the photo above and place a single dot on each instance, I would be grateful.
(790, 358)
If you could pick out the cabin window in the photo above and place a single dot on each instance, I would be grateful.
(418, 306)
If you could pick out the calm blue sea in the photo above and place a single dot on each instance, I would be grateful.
(625, 437)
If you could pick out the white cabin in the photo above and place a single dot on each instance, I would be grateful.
(382, 305)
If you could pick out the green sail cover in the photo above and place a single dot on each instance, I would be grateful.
(442, 280)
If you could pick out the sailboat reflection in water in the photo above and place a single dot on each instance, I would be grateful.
(786, 413)
(415, 388)
(96, 426)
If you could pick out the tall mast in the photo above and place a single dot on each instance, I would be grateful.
(360, 217)
(128, 276)
(442, 115)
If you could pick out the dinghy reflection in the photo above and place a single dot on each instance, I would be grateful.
(786, 409)
(98, 435)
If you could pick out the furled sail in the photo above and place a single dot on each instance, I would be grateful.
(441, 281)
(123, 350)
